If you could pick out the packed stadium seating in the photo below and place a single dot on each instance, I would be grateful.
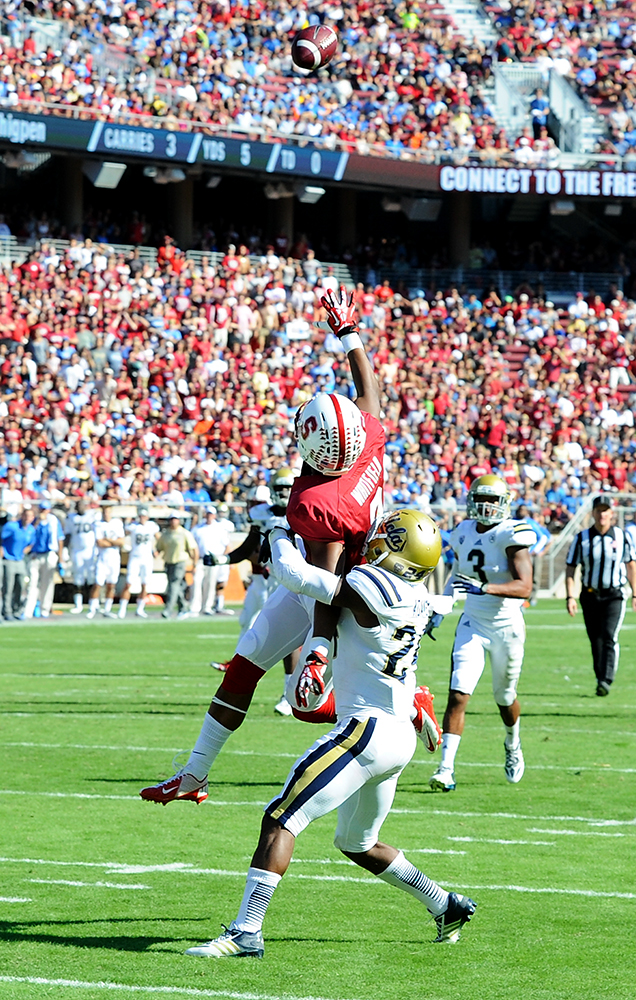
(403, 85)
(179, 381)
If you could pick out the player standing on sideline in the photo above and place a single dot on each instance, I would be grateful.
(211, 538)
(355, 767)
(263, 517)
(493, 568)
(333, 503)
(608, 559)
(81, 540)
(223, 572)
(142, 540)
(110, 539)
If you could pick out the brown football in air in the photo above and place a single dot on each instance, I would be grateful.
(314, 47)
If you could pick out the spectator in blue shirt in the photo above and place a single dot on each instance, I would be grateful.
(17, 540)
(539, 109)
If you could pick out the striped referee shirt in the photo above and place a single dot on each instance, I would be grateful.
(602, 557)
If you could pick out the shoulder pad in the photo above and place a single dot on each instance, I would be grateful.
(382, 591)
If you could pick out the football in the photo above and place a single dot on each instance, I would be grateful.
(314, 47)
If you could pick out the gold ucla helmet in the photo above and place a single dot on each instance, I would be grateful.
(488, 500)
(280, 486)
(405, 542)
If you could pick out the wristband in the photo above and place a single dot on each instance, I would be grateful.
(351, 341)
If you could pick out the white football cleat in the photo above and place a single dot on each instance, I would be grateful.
(76, 610)
(283, 707)
(231, 944)
(91, 614)
(121, 613)
(515, 764)
(443, 780)
(140, 613)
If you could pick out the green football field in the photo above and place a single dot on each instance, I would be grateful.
(100, 893)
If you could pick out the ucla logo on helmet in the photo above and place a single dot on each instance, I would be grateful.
(395, 537)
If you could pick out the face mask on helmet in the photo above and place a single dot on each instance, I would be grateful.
(330, 432)
(407, 543)
(280, 486)
(488, 500)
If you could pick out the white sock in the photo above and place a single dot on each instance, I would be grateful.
(108, 604)
(141, 603)
(79, 601)
(403, 875)
(450, 746)
(211, 741)
(122, 608)
(220, 602)
(93, 604)
(512, 735)
(259, 889)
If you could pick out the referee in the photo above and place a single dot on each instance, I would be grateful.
(607, 560)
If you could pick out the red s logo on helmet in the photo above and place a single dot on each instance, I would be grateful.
(309, 426)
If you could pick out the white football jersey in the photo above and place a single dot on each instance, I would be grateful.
(110, 530)
(142, 539)
(79, 530)
(375, 668)
(482, 555)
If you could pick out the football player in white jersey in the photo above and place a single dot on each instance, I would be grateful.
(355, 767)
(81, 541)
(142, 535)
(494, 569)
(110, 539)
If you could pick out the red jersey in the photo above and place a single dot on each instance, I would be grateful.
(342, 508)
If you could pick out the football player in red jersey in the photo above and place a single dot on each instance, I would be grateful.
(332, 506)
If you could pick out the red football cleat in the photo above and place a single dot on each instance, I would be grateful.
(218, 665)
(182, 786)
(426, 725)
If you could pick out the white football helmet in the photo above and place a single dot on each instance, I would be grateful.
(330, 432)
(488, 500)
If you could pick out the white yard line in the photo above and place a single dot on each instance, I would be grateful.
(84, 885)
(15, 899)
(230, 873)
(488, 840)
(575, 833)
(592, 821)
(170, 990)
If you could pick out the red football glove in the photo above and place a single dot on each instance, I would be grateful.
(341, 313)
(311, 680)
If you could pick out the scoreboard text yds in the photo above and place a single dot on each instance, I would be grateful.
(520, 180)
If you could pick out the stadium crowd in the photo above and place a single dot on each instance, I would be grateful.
(178, 382)
(402, 85)
(592, 45)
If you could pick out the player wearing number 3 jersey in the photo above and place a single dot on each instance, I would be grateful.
(494, 570)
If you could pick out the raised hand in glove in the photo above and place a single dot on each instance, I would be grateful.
(311, 680)
(341, 311)
(434, 622)
(468, 585)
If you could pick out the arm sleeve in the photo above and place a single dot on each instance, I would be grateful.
(574, 552)
(295, 573)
